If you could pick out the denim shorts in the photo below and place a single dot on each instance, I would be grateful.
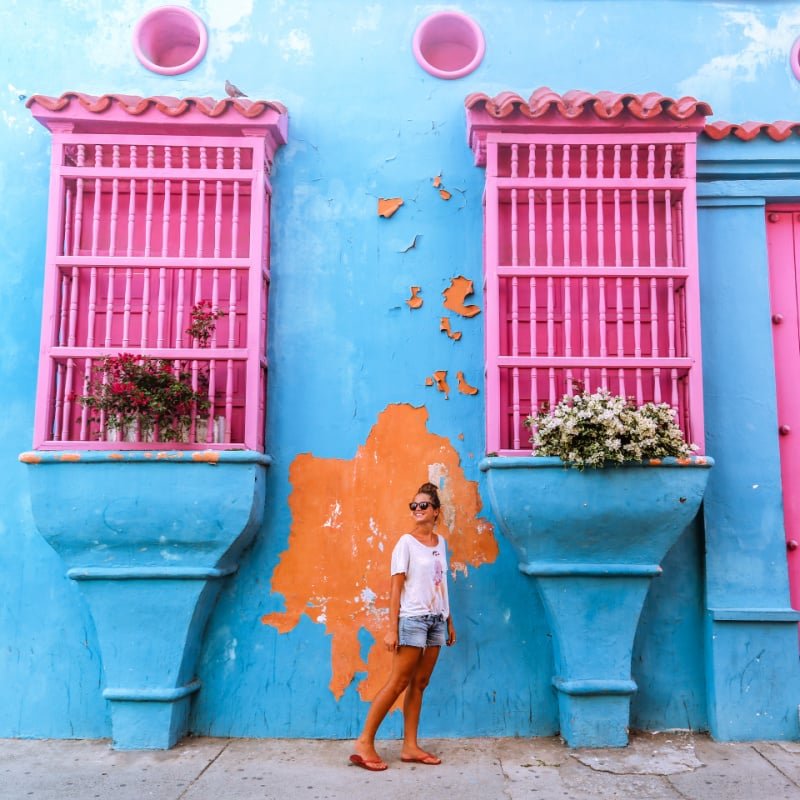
(429, 630)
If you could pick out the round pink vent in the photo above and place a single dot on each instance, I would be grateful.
(448, 44)
(794, 58)
(170, 40)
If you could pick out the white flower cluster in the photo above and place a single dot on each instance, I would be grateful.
(592, 430)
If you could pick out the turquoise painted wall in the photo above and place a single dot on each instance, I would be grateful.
(365, 122)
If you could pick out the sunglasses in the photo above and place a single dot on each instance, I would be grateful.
(423, 506)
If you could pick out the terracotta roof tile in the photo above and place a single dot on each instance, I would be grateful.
(604, 105)
(170, 106)
(746, 131)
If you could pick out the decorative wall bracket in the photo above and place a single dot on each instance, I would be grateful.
(148, 536)
(592, 540)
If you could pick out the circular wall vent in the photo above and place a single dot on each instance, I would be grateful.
(170, 40)
(448, 44)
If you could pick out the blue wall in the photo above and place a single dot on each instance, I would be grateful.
(365, 122)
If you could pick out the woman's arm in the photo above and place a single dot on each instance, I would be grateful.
(392, 637)
(451, 631)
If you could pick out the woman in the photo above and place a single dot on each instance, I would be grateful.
(419, 624)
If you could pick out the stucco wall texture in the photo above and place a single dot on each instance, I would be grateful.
(358, 415)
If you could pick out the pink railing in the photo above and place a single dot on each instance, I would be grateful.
(141, 229)
(591, 275)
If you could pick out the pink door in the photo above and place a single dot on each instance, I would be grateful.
(783, 243)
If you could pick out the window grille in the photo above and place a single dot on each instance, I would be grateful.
(143, 227)
(590, 273)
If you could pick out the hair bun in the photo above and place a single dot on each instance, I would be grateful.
(432, 492)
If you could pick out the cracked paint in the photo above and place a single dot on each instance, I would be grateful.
(437, 184)
(455, 294)
(410, 246)
(463, 386)
(444, 325)
(348, 564)
(387, 206)
(415, 301)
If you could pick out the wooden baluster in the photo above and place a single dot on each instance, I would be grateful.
(201, 204)
(637, 297)
(148, 215)
(515, 408)
(180, 308)
(218, 209)
(112, 232)
(61, 369)
(131, 202)
(144, 338)
(567, 283)
(66, 242)
(232, 306)
(98, 196)
(184, 203)
(532, 322)
(550, 285)
(237, 163)
(668, 235)
(618, 262)
(126, 308)
(59, 401)
(601, 300)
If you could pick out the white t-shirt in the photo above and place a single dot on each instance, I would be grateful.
(425, 568)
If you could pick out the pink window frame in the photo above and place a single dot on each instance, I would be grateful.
(59, 344)
(689, 402)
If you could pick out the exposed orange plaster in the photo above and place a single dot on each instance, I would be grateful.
(444, 194)
(208, 456)
(461, 437)
(463, 386)
(440, 378)
(388, 206)
(454, 295)
(437, 181)
(429, 381)
(415, 301)
(116, 457)
(444, 325)
(70, 457)
(30, 458)
(347, 516)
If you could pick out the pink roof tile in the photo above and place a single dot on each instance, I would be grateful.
(746, 131)
(78, 112)
(573, 104)
(170, 106)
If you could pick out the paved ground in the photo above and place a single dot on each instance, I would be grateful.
(652, 767)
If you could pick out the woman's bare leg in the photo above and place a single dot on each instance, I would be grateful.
(404, 665)
(412, 704)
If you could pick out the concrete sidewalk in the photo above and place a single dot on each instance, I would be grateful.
(652, 767)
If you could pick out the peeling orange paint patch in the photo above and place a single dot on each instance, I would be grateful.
(440, 379)
(415, 301)
(388, 206)
(444, 325)
(70, 457)
(116, 457)
(208, 456)
(437, 181)
(444, 194)
(429, 381)
(463, 386)
(346, 518)
(460, 288)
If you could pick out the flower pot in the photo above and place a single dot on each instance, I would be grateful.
(593, 540)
